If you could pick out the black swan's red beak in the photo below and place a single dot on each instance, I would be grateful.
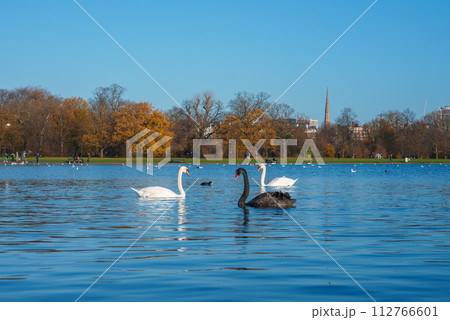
(237, 175)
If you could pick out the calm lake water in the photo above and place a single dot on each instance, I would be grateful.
(60, 228)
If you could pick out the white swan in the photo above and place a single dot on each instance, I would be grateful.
(277, 182)
(160, 192)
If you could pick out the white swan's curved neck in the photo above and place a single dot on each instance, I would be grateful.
(263, 176)
(180, 185)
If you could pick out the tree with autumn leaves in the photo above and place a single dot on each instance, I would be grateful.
(131, 118)
(69, 122)
(34, 120)
(253, 117)
(253, 126)
(24, 118)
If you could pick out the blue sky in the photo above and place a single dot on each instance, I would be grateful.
(395, 57)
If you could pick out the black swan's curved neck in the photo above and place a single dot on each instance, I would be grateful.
(244, 196)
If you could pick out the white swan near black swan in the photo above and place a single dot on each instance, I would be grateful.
(265, 200)
(160, 192)
(277, 182)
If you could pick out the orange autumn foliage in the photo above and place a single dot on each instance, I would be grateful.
(244, 128)
(132, 118)
(69, 121)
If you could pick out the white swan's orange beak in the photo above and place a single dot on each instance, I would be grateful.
(237, 175)
(259, 168)
(187, 172)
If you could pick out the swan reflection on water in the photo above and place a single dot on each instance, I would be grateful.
(182, 215)
(152, 206)
(157, 207)
(246, 218)
(181, 209)
(182, 222)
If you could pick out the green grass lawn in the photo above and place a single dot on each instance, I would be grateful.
(204, 161)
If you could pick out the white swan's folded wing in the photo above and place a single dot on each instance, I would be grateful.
(281, 182)
(157, 192)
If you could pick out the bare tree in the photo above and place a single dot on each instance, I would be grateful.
(207, 112)
(106, 100)
(281, 111)
(346, 118)
(344, 131)
(437, 133)
(245, 102)
(29, 110)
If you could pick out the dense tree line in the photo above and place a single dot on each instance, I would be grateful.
(393, 133)
(36, 121)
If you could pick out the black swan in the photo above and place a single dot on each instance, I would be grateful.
(209, 183)
(265, 200)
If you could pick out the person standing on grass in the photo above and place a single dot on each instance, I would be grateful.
(37, 156)
(6, 157)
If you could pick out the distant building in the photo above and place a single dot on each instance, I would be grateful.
(313, 125)
(327, 121)
(444, 111)
(358, 132)
(310, 125)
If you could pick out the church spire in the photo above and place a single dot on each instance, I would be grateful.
(327, 112)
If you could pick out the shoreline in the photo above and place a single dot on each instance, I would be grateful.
(203, 161)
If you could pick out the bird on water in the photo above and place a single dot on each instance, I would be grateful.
(265, 200)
